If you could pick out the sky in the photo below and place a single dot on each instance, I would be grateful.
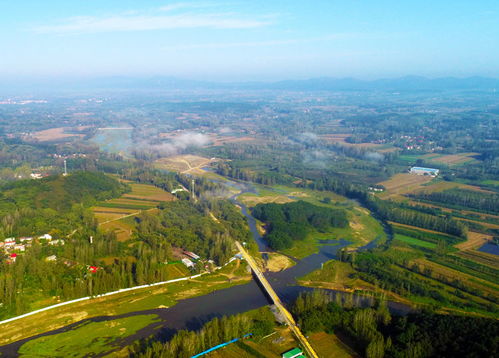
(261, 40)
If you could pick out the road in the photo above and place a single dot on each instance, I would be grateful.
(273, 295)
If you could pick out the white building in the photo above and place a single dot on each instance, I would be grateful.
(425, 171)
(46, 237)
(188, 263)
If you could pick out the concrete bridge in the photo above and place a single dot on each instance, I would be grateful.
(273, 295)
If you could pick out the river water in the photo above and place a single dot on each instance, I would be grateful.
(193, 313)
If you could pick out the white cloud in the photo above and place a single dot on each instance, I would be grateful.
(187, 5)
(135, 21)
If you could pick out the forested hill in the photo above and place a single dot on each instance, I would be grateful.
(59, 192)
(30, 207)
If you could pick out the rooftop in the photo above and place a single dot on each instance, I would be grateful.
(425, 169)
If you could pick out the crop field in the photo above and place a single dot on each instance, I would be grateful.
(453, 274)
(148, 192)
(480, 257)
(447, 159)
(440, 185)
(142, 197)
(474, 241)
(183, 163)
(450, 159)
(403, 183)
(413, 241)
(415, 228)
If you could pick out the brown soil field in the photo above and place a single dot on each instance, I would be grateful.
(403, 183)
(53, 134)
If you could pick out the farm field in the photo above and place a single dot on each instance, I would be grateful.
(474, 241)
(452, 274)
(450, 159)
(447, 159)
(403, 183)
(413, 241)
(54, 134)
(148, 192)
(480, 257)
(142, 197)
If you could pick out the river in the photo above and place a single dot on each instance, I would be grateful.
(192, 313)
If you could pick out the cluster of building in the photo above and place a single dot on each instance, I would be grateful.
(12, 246)
(188, 261)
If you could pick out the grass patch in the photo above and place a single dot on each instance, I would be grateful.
(89, 339)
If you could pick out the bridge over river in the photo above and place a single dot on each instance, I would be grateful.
(270, 291)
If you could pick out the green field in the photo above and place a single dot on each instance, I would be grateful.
(88, 339)
(413, 241)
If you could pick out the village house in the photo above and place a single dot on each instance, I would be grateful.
(56, 242)
(47, 237)
(19, 247)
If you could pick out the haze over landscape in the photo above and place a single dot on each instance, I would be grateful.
(251, 179)
(246, 41)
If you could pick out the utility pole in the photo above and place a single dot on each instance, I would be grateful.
(193, 194)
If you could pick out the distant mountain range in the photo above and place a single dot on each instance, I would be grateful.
(408, 83)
